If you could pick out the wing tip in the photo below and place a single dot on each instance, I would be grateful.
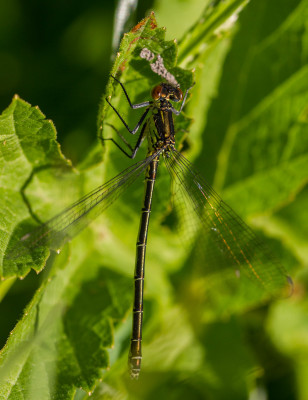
(290, 286)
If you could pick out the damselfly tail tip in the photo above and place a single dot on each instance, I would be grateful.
(134, 374)
(134, 365)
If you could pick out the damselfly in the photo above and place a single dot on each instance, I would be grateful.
(240, 252)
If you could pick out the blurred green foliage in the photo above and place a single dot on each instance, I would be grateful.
(248, 136)
(57, 55)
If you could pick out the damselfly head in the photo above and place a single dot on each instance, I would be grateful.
(167, 92)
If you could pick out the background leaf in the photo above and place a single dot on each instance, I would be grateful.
(30, 157)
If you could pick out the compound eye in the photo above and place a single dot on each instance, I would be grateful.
(178, 94)
(157, 92)
(164, 91)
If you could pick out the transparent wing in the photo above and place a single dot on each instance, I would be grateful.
(226, 249)
(64, 226)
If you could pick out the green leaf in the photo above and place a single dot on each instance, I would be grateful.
(256, 127)
(61, 341)
(215, 22)
(30, 161)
